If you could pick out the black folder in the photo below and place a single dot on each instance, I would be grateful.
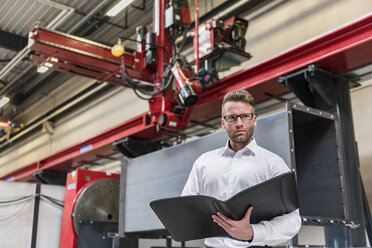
(190, 217)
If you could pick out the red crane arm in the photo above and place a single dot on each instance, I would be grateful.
(80, 55)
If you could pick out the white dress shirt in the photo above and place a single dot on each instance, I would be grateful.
(222, 173)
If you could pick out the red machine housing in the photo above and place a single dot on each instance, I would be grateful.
(76, 182)
(229, 32)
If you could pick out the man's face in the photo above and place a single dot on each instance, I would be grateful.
(239, 132)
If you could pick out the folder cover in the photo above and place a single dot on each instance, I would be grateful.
(190, 217)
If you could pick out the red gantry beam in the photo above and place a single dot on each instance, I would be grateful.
(346, 48)
(82, 56)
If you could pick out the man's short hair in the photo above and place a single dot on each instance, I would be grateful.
(238, 96)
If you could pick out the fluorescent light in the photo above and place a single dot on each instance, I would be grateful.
(53, 59)
(47, 64)
(118, 7)
(4, 101)
(42, 69)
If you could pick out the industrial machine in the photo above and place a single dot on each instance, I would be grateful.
(156, 71)
(91, 207)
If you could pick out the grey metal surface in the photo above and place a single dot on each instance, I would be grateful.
(123, 182)
(94, 235)
(158, 175)
(272, 133)
(98, 202)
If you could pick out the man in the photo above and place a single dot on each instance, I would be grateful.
(223, 172)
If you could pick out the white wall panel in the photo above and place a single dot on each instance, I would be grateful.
(50, 217)
(16, 218)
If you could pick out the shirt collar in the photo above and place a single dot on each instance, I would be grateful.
(250, 147)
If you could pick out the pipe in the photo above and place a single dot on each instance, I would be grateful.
(132, 26)
(87, 17)
(196, 39)
(56, 5)
(54, 23)
(66, 12)
(20, 55)
(95, 88)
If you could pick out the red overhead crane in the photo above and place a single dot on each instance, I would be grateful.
(342, 50)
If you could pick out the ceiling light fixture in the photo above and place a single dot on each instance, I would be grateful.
(47, 64)
(118, 7)
(42, 69)
(53, 59)
(4, 101)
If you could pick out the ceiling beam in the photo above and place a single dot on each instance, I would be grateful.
(11, 41)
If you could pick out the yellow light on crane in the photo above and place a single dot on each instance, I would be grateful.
(118, 7)
(118, 49)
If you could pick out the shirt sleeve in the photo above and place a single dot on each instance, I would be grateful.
(281, 228)
(192, 184)
(278, 230)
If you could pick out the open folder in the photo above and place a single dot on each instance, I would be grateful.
(190, 217)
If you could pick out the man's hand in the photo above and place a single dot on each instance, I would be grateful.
(239, 229)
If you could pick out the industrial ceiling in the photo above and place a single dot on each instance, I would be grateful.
(19, 80)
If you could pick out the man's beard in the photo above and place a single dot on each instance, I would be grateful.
(243, 138)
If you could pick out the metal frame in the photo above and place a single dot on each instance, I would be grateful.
(331, 92)
(322, 114)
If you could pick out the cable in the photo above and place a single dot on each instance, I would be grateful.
(146, 88)
(55, 201)
(20, 199)
(148, 91)
(14, 213)
(26, 200)
(17, 201)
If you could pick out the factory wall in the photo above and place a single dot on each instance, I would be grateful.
(284, 25)
(114, 108)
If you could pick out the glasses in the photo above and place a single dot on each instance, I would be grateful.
(244, 117)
